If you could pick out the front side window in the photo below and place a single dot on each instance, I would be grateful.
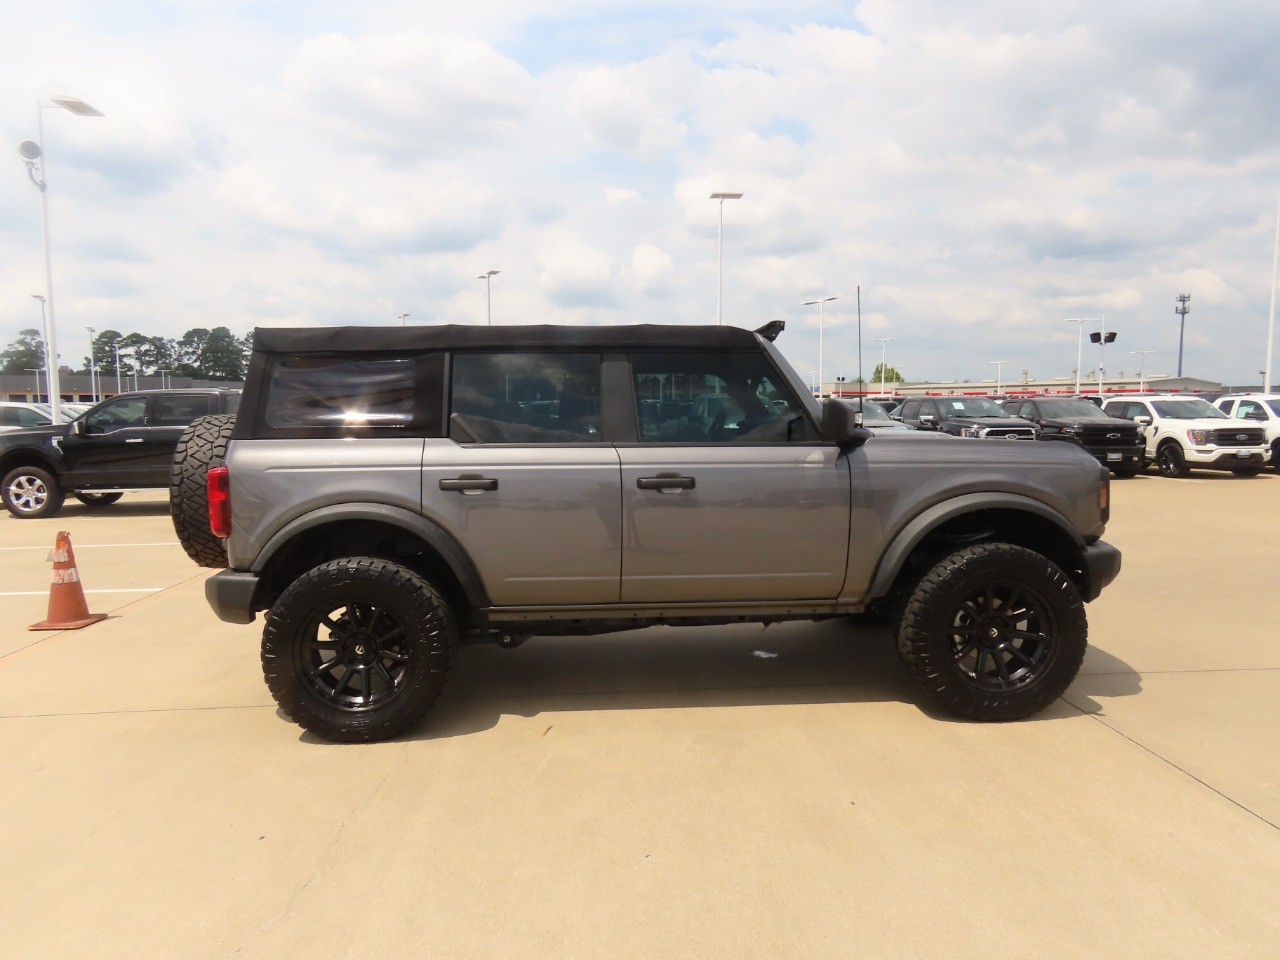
(118, 414)
(525, 398)
(712, 398)
(1251, 410)
(326, 392)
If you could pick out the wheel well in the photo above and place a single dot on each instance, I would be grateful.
(1017, 527)
(361, 538)
(1169, 440)
(25, 458)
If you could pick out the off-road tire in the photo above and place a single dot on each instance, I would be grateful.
(91, 499)
(1028, 601)
(202, 445)
(358, 649)
(1170, 460)
(31, 492)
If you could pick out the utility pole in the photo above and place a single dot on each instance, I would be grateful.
(1182, 310)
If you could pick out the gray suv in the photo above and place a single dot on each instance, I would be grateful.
(386, 493)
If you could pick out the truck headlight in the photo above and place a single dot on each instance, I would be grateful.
(971, 431)
(1199, 437)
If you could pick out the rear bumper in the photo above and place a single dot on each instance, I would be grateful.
(1101, 566)
(231, 594)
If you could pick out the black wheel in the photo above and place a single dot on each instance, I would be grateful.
(1275, 456)
(1170, 461)
(1248, 471)
(358, 649)
(32, 492)
(202, 445)
(1127, 472)
(994, 632)
(90, 499)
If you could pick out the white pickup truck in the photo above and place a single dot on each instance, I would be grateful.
(1183, 433)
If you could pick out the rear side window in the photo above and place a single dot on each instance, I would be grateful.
(326, 393)
(178, 411)
(525, 398)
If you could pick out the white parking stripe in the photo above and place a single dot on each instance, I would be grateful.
(45, 593)
(92, 546)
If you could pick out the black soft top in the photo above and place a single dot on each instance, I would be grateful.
(294, 340)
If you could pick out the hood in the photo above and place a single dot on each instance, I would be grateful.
(1108, 423)
(32, 436)
(992, 421)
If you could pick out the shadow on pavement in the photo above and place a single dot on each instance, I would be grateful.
(693, 667)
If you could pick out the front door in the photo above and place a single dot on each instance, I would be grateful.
(726, 496)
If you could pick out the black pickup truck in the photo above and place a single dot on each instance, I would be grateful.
(126, 442)
(1117, 444)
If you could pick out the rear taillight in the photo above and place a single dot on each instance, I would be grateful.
(219, 484)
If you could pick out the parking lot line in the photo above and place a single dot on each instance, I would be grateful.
(91, 546)
(41, 593)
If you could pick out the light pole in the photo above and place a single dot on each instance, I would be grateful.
(487, 277)
(1182, 309)
(38, 171)
(162, 371)
(722, 197)
(884, 343)
(1102, 338)
(117, 349)
(820, 303)
(999, 367)
(1271, 323)
(1079, 345)
(1142, 368)
(93, 367)
(401, 317)
(36, 371)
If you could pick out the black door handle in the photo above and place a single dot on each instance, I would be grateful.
(666, 481)
(469, 484)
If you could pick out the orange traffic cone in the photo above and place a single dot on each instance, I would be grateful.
(67, 609)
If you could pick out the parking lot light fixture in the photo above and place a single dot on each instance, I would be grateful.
(821, 303)
(1142, 368)
(722, 197)
(999, 366)
(487, 277)
(37, 169)
(401, 317)
(884, 343)
(93, 367)
(1079, 345)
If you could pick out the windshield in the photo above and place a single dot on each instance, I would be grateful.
(969, 407)
(872, 411)
(1275, 406)
(1192, 408)
(1050, 409)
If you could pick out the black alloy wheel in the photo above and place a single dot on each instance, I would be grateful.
(994, 632)
(1170, 461)
(358, 649)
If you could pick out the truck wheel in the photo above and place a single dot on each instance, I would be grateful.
(202, 445)
(994, 632)
(1170, 461)
(91, 499)
(358, 649)
(31, 492)
(1247, 471)
(1126, 472)
(1275, 455)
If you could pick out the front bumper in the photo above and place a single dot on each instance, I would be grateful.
(231, 594)
(1230, 458)
(1101, 566)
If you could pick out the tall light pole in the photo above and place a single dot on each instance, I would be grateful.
(1182, 309)
(117, 349)
(44, 331)
(1079, 345)
(38, 171)
(722, 197)
(36, 371)
(821, 303)
(487, 277)
(1271, 323)
(1142, 368)
(999, 366)
(401, 318)
(162, 371)
(884, 343)
(93, 367)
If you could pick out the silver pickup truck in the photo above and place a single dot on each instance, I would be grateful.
(386, 493)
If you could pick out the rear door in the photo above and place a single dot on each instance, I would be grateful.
(741, 507)
(526, 481)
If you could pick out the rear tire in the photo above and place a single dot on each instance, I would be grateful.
(91, 499)
(358, 649)
(994, 632)
(31, 492)
(202, 445)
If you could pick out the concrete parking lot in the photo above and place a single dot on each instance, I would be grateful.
(700, 793)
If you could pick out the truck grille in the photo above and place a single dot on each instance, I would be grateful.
(1009, 433)
(1238, 437)
(1109, 437)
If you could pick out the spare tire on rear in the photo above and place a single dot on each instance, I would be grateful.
(203, 445)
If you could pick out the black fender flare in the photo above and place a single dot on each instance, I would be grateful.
(429, 531)
(910, 536)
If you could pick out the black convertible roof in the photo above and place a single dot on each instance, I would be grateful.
(292, 340)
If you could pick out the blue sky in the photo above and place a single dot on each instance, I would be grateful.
(983, 171)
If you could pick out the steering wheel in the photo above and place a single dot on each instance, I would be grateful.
(716, 430)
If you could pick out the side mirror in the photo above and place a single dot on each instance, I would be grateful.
(77, 428)
(1143, 420)
(839, 423)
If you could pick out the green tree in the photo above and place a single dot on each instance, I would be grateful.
(222, 356)
(25, 353)
(189, 347)
(891, 375)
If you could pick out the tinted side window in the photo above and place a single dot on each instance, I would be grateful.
(704, 397)
(324, 392)
(910, 410)
(525, 398)
(117, 415)
(178, 411)
(1028, 411)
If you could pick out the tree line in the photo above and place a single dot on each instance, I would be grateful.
(200, 353)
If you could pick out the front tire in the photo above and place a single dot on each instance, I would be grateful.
(1247, 471)
(994, 632)
(1170, 461)
(30, 493)
(358, 649)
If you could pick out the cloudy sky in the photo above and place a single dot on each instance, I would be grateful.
(983, 170)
